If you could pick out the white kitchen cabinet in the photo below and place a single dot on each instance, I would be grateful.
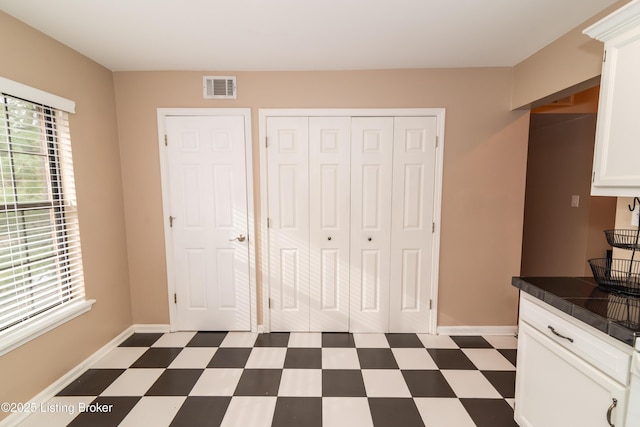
(555, 384)
(616, 163)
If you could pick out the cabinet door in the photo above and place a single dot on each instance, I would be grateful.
(617, 150)
(329, 198)
(288, 187)
(371, 176)
(414, 154)
(554, 388)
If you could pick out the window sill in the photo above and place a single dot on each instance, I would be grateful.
(38, 326)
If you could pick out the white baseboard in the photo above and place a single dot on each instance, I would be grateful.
(477, 330)
(17, 417)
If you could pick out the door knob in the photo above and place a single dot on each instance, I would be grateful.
(240, 238)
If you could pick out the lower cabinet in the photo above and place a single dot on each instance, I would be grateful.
(556, 387)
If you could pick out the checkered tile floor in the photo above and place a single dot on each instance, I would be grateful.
(281, 379)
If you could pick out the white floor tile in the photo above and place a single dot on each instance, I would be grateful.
(413, 358)
(346, 412)
(443, 412)
(371, 341)
(57, 412)
(133, 382)
(340, 358)
(385, 383)
(470, 384)
(437, 341)
(174, 339)
(217, 382)
(250, 411)
(305, 340)
(266, 358)
(193, 357)
(120, 358)
(488, 359)
(239, 339)
(153, 411)
(502, 341)
(301, 382)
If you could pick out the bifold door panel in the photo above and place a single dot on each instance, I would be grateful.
(350, 208)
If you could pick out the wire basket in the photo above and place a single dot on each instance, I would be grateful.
(623, 239)
(621, 309)
(620, 275)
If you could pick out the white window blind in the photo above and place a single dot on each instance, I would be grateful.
(40, 257)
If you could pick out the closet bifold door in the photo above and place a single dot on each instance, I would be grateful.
(371, 176)
(412, 219)
(329, 197)
(288, 207)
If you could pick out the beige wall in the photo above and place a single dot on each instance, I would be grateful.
(484, 170)
(570, 64)
(33, 59)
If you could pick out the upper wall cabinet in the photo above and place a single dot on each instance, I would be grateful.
(616, 162)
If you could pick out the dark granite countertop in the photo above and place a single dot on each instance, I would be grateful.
(580, 297)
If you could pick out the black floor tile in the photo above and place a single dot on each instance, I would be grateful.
(510, 354)
(376, 358)
(343, 383)
(489, 412)
(175, 382)
(104, 411)
(259, 382)
(303, 358)
(503, 381)
(230, 358)
(201, 411)
(207, 339)
(157, 357)
(141, 340)
(394, 412)
(92, 382)
(471, 342)
(450, 358)
(338, 339)
(274, 339)
(423, 383)
(298, 411)
(404, 341)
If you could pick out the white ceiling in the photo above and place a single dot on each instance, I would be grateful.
(303, 34)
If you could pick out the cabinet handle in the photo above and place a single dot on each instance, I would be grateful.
(329, 238)
(369, 239)
(614, 403)
(559, 335)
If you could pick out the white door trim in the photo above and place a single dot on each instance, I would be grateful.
(263, 113)
(162, 114)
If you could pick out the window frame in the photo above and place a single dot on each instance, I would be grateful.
(59, 313)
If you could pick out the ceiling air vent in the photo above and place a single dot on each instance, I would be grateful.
(219, 87)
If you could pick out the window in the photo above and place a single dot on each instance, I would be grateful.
(40, 259)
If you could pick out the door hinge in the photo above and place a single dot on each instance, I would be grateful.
(593, 176)
(268, 223)
(171, 218)
(269, 303)
(166, 143)
(266, 142)
(433, 227)
(436, 141)
(430, 304)
(175, 298)
(604, 56)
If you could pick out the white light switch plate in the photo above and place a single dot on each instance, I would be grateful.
(575, 201)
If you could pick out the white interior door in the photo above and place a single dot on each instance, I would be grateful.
(208, 198)
(371, 182)
(414, 157)
(329, 199)
(288, 207)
